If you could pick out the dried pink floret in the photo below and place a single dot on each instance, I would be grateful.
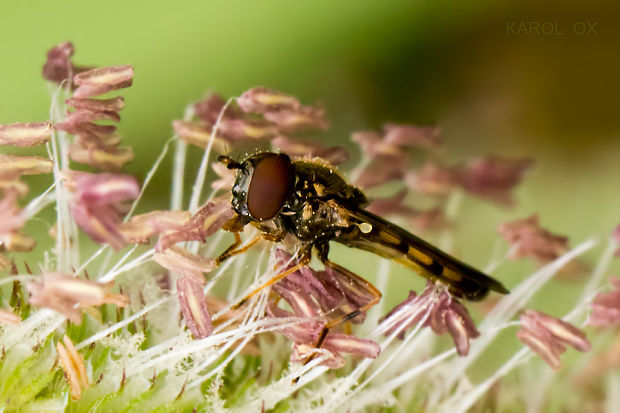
(25, 134)
(606, 307)
(72, 364)
(194, 307)
(183, 262)
(67, 294)
(548, 336)
(312, 295)
(261, 99)
(12, 166)
(411, 135)
(102, 80)
(97, 204)
(445, 314)
(204, 223)
(58, 66)
(335, 155)
(141, 227)
(432, 179)
(302, 118)
(616, 237)
(109, 159)
(98, 105)
(382, 169)
(395, 139)
(529, 239)
(241, 129)
(209, 109)
(11, 220)
(492, 177)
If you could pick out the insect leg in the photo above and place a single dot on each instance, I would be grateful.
(374, 292)
(231, 251)
(303, 261)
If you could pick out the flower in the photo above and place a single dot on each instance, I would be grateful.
(67, 294)
(25, 134)
(12, 166)
(548, 336)
(72, 364)
(445, 314)
(606, 307)
(335, 155)
(382, 169)
(96, 144)
(181, 261)
(432, 179)
(492, 177)
(193, 307)
(141, 227)
(261, 99)
(312, 296)
(209, 218)
(395, 138)
(11, 220)
(58, 66)
(529, 239)
(102, 80)
(97, 204)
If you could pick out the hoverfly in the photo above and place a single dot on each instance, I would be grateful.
(311, 201)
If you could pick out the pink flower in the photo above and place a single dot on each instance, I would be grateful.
(606, 307)
(432, 179)
(261, 99)
(58, 66)
(183, 262)
(67, 294)
(548, 337)
(312, 295)
(529, 239)
(101, 80)
(25, 134)
(299, 119)
(492, 177)
(141, 227)
(616, 237)
(204, 223)
(411, 135)
(335, 155)
(194, 307)
(97, 204)
(395, 139)
(382, 169)
(445, 314)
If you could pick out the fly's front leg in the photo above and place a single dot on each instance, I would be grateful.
(236, 226)
(304, 260)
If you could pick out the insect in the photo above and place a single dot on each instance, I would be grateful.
(311, 201)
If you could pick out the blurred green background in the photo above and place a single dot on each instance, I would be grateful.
(468, 67)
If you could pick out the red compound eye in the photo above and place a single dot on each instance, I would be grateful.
(272, 183)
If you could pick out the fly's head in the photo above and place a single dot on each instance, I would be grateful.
(264, 183)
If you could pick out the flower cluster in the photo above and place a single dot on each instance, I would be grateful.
(96, 144)
(314, 309)
(317, 297)
(440, 311)
(548, 336)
